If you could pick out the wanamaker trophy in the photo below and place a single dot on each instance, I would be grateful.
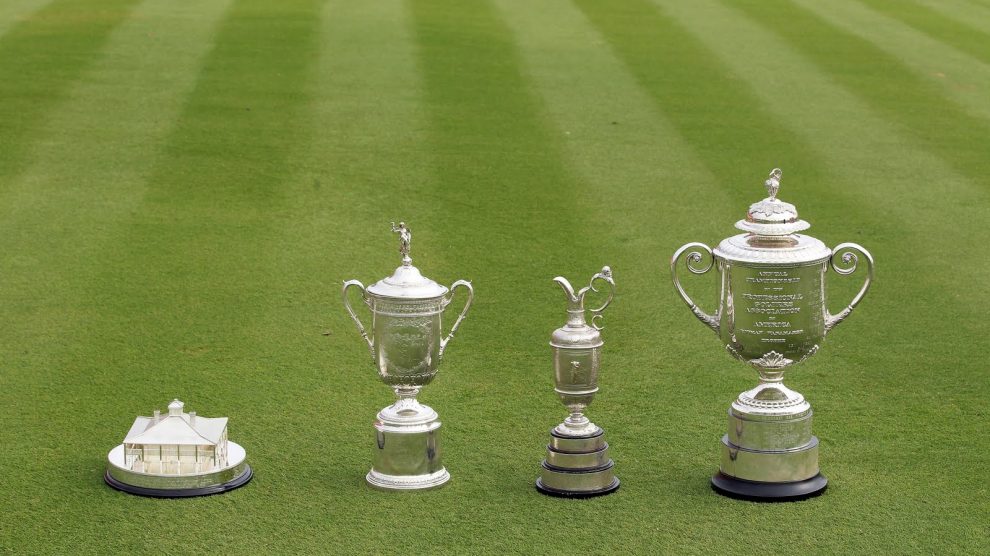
(406, 345)
(772, 314)
(577, 463)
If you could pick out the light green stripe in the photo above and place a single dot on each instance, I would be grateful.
(87, 170)
(40, 59)
(13, 12)
(363, 160)
(613, 129)
(957, 75)
(82, 180)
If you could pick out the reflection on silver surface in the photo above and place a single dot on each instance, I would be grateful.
(177, 454)
(577, 462)
(771, 314)
(406, 345)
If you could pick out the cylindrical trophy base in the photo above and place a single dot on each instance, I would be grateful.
(237, 473)
(770, 466)
(769, 492)
(407, 457)
(577, 467)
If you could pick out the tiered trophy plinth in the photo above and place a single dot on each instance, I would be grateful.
(769, 452)
(577, 466)
(407, 449)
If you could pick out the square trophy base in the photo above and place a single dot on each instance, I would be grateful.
(407, 452)
(577, 467)
(769, 455)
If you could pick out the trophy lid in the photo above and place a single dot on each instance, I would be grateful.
(406, 282)
(771, 216)
(772, 239)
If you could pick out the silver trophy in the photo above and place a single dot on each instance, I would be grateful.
(577, 462)
(406, 346)
(772, 313)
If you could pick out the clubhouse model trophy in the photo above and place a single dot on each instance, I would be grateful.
(177, 455)
(771, 314)
(577, 463)
(406, 346)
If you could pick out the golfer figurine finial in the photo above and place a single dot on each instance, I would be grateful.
(405, 238)
(773, 183)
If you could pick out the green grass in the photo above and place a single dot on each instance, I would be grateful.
(185, 183)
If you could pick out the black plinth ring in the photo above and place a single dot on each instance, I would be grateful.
(769, 492)
(576, 493)
(236, 482)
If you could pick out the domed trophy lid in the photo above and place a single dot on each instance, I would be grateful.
(771, 216)
(577, 333)
(407, 282)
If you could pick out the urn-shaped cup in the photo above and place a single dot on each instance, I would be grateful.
(772, 309)
(407, 308)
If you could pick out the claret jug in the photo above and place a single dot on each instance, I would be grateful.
(577, 463)
(771, 314)
(406, 345)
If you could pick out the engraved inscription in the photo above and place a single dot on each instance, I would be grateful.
(772, 298)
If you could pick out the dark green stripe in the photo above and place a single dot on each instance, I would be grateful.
(40, 59)
(729, 128)
(883, 82)
(933, 23)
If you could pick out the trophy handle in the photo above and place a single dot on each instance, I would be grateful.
(692, 259)
(848, 264)
(350, 310)
(454, 286)
(606, 276)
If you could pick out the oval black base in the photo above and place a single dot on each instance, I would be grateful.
(236, 482)
(768, 492)
(576, 494)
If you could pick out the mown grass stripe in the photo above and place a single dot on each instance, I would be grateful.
(85, 175)
(13, 12)
(966, 38)
(495, 153)
(204, 228)
(882, 82)
(40, 58)
(966, 12)
(668, 60)
(180, 288)
(937, 67)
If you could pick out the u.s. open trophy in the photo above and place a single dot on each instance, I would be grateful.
(772, 314)
(406, 346)
(577, 463)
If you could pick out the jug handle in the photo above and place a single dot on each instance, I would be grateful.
(350, 310)
(848, 264)
(457, 323)
(692, 259)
